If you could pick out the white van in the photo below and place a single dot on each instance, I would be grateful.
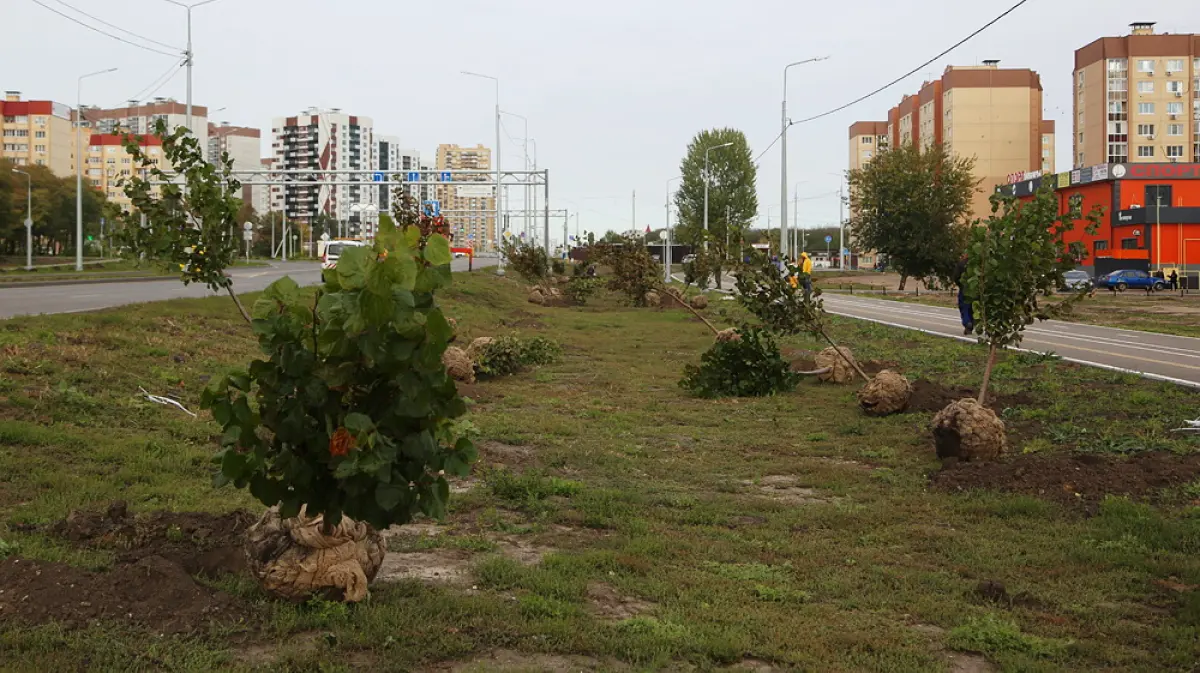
(333, 250)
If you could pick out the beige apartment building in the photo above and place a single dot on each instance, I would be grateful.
(986, 112)
(244, 147)
(1137, 99)
(108, 164)
(469, 209)
(37, 133)
(141, 117)
(867, 140)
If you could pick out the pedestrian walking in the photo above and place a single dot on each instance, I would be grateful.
(966, 311)
(806, 267)
(1174, 279)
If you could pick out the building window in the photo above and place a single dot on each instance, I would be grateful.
(1045, 154)
(1174, 108)
(39, 148)
(1129, 244)
(866, 154)
(39, 134)
(1116, 65)
(867, 140)
(1045, 140)
(1099, 245)
(1145, 129)
(1145, 150)
(1174, 65)
(1145, 108)
(20, 119)
(1174, 129)
(1175, 151)
(1118, 84)
(1146, 86)
(1175, 86)
(1146, 65)
(1118, 153)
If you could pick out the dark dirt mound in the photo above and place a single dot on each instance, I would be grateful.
(153, 592)
(1074, 479)
(201, 543)
(521, 318)
(932, 397)
(477, 391)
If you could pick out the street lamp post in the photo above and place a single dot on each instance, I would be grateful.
(525, 151)
(783, 181)
(498, 233)
(706, 181)
(667, 247)
(79, 165)
(28, 220)
(188, 55)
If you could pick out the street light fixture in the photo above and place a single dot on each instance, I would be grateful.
(783, 181)
(706, 181)
(79, 165)
(188, 54)
(28, 220)
(497, 229)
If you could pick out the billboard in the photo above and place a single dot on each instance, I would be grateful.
(474, 191)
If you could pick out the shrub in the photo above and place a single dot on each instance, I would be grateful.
(580, 288)
(508, 355)
(529, 261)
(635, 274)
(559, 267)
(747, 367)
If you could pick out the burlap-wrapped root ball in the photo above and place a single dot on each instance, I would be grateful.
(730, 334)
(887, 393)
(653, 300)
(673, 291)
(295, 559)
(453, 329)
(840, 371)
(476, 348)
(699, 302)
(969, 432)
(536, 297)
(555, 292)
(459, 365)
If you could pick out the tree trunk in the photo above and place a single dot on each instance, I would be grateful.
(987, 375)
(718, 275)
(903, 280)
(298, 558)
(238, 303)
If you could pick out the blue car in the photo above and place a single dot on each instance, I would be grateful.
(1126, 278)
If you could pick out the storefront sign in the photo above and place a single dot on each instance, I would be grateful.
(1021, 176)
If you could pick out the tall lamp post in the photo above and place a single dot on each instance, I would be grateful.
(28, 219)
(783, 180)
(188, 54)
(498, 233)
(667, 247)
(79, 165)
(706, 181)
(525, 151)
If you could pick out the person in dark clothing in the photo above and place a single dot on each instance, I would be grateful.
(965, 310)
(1174, 279)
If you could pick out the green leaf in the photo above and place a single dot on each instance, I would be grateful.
(376, 310)
(358, 424)
(437, 250)
(389, 496)
(412, 237)
(263, 308)
(352, 266)
(285, 290)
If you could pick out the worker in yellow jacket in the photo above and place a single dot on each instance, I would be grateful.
(806, 267)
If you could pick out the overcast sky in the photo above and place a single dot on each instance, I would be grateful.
(613, 91)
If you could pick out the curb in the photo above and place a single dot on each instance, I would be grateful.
(82, 281)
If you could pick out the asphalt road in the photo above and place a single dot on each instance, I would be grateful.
(1159, 356)
(16, 301)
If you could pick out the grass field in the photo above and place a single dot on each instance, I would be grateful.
(614, 523)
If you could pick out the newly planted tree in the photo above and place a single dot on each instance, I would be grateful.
(346, 425)
(1014, 263)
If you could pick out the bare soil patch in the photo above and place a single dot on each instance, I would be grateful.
(512, 661)
(501, 454)
(1077, 480)
(608, 603)
(478, 392)
(524, 319)
(930, 396)
(785, 489)
(450, 565)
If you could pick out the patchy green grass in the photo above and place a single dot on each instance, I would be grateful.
(629, 488)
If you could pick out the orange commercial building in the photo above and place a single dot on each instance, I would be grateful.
(1151, 214)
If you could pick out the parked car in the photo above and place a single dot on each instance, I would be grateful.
(1075, 280)
(333, 250)
(1126, 278)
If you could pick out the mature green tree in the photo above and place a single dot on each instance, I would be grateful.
(914, 206)
(732, 194)
(612, 237)
(12, 232)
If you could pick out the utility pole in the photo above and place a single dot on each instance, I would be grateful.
(842, 255)
(633, 222)
(783, 180)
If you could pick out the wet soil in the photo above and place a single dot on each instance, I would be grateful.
(930, 396)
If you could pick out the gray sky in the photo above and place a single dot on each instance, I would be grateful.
(613, 91)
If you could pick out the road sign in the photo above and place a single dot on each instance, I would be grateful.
(247, 235)
(28, 223)
(474, 191)
(378, 177)
(433, 208)
(414, 176)
(829, 239)
(445, 176)
(247, 226)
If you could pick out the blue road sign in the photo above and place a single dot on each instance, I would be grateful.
(414, 176)
(433, 208)
(445, 177)
(378, 177)
(829, 239)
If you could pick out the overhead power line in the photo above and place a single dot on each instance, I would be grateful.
(102, 32)
(901, 78)
(115, 27)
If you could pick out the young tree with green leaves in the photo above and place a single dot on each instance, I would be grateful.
(913, 205)
(732, 193)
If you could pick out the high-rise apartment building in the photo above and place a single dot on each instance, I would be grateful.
(328, 140)
(867, 140)
(244, 146)
(141, 118)
(261, 195)
(108, 164)
(37, 133)
(469, 208)
(991, 114)
(392, 158)
(1137, 99)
